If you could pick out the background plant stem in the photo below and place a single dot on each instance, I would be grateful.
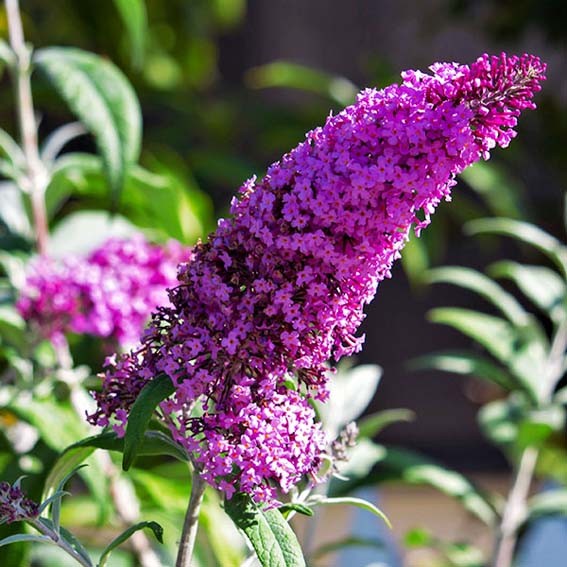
(191, 523)
(36, 175)
(515, 509)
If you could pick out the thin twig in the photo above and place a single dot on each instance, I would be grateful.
(125, 504)
(191, 523)
(37, 178)
(515, 509)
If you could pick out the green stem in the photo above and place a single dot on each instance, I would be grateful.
(37, 177)
(191, 523)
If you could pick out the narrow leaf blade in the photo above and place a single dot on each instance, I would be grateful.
(155, 392)
(126, 534)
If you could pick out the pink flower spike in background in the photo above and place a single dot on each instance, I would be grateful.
(109, 294)
(279, 288)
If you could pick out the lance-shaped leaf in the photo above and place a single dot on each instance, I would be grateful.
(524, 232)
(294, 76)
(102, 98)
(141, 413)
(523, 350)
(373, 424)
(125, 535)
(548, 503)
(467, 364)
(541, 285)
(154, 443)
(271, 536)
(358, 502)
(482, 285)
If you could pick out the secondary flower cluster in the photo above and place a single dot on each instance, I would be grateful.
(110, 293)
(280, 287)
(14, 505)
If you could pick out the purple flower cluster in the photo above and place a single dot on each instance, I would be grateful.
(14, 505)
(280, 287)
(109, 294)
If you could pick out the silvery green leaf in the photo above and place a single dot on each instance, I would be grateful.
(350, 393)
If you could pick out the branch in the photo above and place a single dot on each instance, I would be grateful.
(37, 177)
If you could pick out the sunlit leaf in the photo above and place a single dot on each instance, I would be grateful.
(271, 536)
(373, 424)
(524, 232)
(102, 98)
(549, 503)
(495, 186)
(544, 287)
(154, 443)
(295, 76)
(351, 391)
(465, 363)
(358, 502)
(25, 537)
(482, 285)
(285, 509)
(523, 350)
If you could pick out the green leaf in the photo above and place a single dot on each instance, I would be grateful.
(523, 350)
(154, 443)
(126, 534)
(351, 391)
(102, 98)
(415, 259)
(346, 542)
(400, 465)
(548, 503)
(141, 413)
(524, 232)
(135, 18)
(10, 148)
(544, 287)
(499, 420)
(418, 537)
(358, 502)
(7, 55)
(25, 537)
(60, 426)
(294, 76)
(495, 186)
(271, 536)
(295, 507)
(539, 425)
(467, 364)
(482, 285)
(69, 538)
(58, 139)
(373, 424)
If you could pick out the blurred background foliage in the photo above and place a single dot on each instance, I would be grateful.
(226, 87)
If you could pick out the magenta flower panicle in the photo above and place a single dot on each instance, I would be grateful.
(110, 293)
(279, 288)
